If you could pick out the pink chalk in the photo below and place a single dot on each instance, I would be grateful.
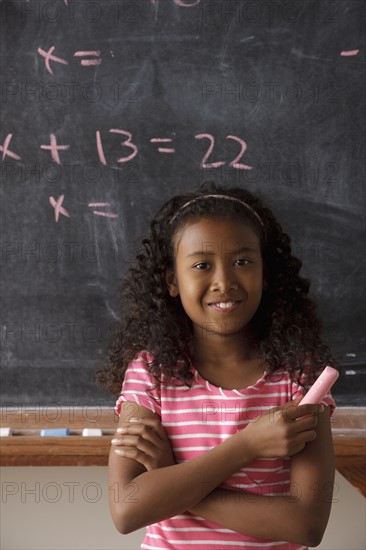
(204, 164)
(321, 387)
(163, 149)
(235, 162)
(90, 62)
(58, 208)
(98, 213)
(100, 149)
(5, 150)
(82, 54)
(53, 147)
(48, 56)
(349, 53)
(105, 214)
(126, 143)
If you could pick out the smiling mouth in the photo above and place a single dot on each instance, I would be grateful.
(224, 306)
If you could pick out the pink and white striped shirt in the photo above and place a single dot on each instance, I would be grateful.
(197, 419)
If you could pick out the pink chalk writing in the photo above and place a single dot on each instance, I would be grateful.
(83, 54)
(49, 57)
(4, 148)
(98, 213)
(100, 149)
(84, 62)
(205, 164)
(126, 143)
(349, 53)
(54, 148)
(58, 208)
(89, 62)
(133, 149)
(163, 149)
(234, 163)
(187, 3)
(182, 3)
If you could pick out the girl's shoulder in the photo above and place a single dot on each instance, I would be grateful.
(143, 356)
(146, 358)
(139, 365)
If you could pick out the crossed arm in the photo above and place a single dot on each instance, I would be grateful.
(163, 489)
(308, 505)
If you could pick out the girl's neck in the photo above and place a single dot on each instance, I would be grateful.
(229, 367)
(229, 351)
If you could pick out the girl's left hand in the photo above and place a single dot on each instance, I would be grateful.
(145, 441)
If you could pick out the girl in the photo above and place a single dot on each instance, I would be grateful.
(218, 344)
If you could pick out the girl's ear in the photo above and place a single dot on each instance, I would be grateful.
(171, 282)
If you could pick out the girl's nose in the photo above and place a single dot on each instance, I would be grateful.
(224, 280)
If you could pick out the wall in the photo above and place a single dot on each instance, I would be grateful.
(72, 512)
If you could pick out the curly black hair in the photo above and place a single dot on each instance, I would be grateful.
(286, 328)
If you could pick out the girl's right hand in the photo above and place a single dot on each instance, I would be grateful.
(145, 441)
(282, 431)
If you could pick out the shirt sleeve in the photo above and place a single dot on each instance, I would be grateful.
(136, 381)
(297, 390)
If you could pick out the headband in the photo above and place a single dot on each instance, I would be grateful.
(226, 197)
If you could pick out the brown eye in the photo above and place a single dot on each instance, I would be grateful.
(244, 261)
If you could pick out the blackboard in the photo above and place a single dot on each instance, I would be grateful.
(108, 108)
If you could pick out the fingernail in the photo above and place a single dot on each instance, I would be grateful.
(134, 420)
(121, 430)
(322, 408)
(114, 441)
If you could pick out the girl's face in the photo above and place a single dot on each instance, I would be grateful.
(218, 262)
